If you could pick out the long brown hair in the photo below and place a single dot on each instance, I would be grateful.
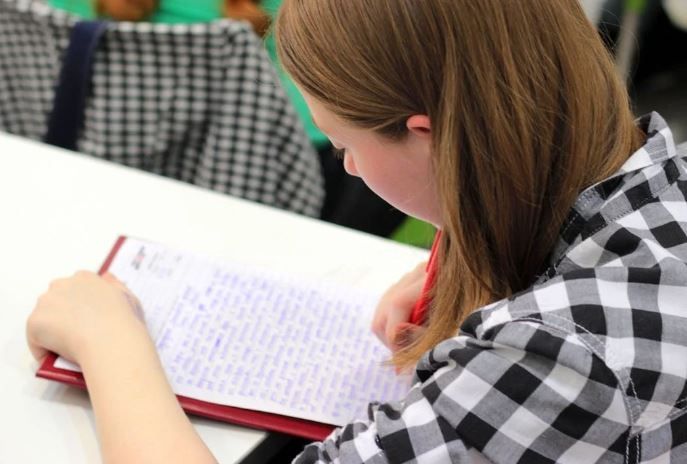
(137, 10)
(525, 107)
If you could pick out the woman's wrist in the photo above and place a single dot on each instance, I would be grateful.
(129, 388)
(123, 346)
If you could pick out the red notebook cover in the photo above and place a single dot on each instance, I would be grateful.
(245, 417)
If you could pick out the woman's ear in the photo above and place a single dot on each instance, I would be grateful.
(419, 125)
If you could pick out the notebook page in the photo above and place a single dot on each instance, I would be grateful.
(231, 334)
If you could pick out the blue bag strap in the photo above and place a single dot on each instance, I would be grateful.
(66, 118)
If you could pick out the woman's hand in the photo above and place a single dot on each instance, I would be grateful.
(97, 323)
(394, 309)
(83, 314)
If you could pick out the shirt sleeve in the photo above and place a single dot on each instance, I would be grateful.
(524, 392)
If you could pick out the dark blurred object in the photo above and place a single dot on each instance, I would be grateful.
(293, 447)
(658, 71)
(661, 46)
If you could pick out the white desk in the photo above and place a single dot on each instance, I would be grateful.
(62, 212)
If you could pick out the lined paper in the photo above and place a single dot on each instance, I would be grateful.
(241, 336)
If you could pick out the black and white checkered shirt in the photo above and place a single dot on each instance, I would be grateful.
(588, 365)
(196, 102)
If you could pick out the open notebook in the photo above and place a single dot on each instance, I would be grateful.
(252, 346)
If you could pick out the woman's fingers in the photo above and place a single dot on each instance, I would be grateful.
(396, 305)
(131, 298)
(79, 313)
(401, 310)
(112, 279)
(38, 352)
(406, 334)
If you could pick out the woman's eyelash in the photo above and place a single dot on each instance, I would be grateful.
(339, 153)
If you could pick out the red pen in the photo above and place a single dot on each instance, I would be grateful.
(419, 313)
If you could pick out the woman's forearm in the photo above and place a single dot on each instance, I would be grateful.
(138, 417)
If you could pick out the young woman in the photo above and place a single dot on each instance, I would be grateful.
(554, 327)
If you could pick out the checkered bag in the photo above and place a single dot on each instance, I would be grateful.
(195, 102)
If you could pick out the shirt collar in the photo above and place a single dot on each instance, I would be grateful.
(659, 145)
(607, 200)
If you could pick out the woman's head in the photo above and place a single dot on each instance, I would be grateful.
(524, 108)
(398, 170)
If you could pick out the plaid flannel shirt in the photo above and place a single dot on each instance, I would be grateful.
(588, 365)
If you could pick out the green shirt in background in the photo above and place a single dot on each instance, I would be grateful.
(83, 8)
(185, 11)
